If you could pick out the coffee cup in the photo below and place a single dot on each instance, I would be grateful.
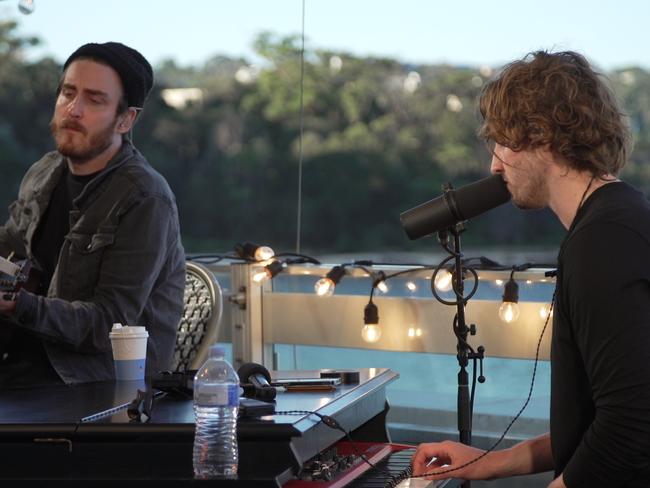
(129, 351)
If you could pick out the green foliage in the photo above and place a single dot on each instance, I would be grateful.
(378, 137)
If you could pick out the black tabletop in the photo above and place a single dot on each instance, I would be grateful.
(73, 430)
(71, 404)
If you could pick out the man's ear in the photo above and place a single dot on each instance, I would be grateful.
(126, 120)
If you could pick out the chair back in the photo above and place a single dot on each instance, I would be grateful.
(199, 324)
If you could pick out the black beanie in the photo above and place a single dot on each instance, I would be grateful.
(134, 70)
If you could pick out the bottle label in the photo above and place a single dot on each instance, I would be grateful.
(219, 395)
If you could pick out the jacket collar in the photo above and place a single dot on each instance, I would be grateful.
(124, 154)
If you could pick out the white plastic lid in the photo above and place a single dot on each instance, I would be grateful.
(128, 331)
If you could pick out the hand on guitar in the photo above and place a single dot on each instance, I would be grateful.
(7, 303)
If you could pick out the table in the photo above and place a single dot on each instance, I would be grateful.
(75, 434)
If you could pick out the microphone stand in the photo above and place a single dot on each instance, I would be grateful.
(461, 330)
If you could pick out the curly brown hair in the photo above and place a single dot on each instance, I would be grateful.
(557, 99)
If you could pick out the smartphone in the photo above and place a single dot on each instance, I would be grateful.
(307, 383)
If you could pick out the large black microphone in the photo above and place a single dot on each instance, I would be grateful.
(454, 206)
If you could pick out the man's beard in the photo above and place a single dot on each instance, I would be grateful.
(533, 195)
(528, 185)
(85, 151)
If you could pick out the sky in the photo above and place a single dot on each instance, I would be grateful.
(612, 34)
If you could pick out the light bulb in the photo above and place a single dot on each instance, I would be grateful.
(371, 333)
(509, 312)
(382, 286)
(411, 286)
(443, 281)
(324, 287)
(26, 6)
(260, 275)
(267, 272)
(263, 253)
(251, 251)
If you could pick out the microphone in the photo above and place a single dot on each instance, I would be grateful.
(255, 380)
(455, 206)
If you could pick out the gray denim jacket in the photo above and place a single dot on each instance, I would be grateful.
(122, 261)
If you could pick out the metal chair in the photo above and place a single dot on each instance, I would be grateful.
(199, 325)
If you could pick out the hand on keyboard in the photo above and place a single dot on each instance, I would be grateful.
(444, 460)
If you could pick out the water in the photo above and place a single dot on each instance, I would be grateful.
(216, 404)
(215, 442)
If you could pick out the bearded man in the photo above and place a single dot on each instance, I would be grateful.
(100, 226)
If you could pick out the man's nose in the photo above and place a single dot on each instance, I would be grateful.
(496, 166)
(75, 108)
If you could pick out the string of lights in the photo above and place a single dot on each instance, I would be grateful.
(442, 280)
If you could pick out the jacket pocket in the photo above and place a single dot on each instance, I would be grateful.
(81, 264)
(90, 243)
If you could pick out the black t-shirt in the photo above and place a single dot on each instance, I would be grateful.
(25, 362)
(55, 224)
(600, 352)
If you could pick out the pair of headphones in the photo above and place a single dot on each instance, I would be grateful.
(255, 380)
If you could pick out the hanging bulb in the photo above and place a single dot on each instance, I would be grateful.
(371, 331)
(252, 251)
(444, 280)
(411, 286)
(325, 286)
(26, 6)
(509, 309)
(267, 272)
(509, 312)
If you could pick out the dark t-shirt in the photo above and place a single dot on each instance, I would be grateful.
(25, 362)
(55, 224)
(600, 353)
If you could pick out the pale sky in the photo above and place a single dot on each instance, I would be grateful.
(612, 34)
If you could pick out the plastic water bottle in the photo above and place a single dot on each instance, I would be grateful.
(216, 404)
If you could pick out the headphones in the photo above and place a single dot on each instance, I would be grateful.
(255, 380)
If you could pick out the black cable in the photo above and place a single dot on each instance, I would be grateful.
(211, 258)
(332, 423)
(300, 258)
(460, 299)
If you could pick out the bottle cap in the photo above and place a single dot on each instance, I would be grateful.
(217, 351)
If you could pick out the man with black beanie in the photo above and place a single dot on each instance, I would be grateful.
(100, 226)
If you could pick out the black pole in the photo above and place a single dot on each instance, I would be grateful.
(463, 352)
